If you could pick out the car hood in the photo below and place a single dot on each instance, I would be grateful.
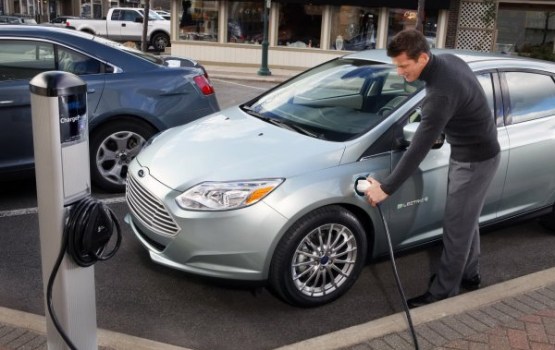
(231, 145)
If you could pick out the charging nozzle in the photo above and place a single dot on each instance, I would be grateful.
(361, 185)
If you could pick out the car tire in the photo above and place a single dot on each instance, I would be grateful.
(319, 258)
(112, 147)
(160, 41)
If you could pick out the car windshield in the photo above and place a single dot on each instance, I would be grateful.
(336, 101)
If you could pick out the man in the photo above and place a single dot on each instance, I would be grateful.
(455, 105)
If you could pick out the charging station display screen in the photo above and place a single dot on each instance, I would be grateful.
(73, 118)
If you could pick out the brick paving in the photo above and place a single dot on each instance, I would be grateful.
(524, 322)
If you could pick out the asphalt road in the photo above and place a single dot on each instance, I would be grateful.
(137, 297)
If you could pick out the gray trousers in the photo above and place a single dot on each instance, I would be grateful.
(466, 193)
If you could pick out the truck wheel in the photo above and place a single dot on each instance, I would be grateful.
(160, 41)
(112, 147)
(319, 258)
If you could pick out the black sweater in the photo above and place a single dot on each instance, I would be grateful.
(456, 105)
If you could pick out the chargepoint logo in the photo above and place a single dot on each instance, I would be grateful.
(64, 120)
(412, 203)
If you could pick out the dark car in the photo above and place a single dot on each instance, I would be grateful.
(17, 19)
(131, 96)
(61, 21)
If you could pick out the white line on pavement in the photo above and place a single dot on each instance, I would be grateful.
(243, 85)
(28, 211)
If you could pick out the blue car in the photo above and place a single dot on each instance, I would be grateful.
(131, 96)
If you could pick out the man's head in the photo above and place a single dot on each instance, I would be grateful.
(410, 52)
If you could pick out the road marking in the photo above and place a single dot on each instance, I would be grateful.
(243, 85)
(29, 211)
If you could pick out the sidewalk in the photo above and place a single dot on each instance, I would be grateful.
(516, 314)
(249, 73)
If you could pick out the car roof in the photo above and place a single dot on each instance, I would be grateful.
(476, 59)
(380, 55)
(77, 40)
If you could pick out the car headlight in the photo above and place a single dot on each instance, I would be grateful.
(226, 195)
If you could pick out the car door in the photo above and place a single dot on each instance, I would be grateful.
(130, 29)
(20, 61)
(529, 99)
(416, 210)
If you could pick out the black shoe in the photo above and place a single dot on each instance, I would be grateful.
(473, 283)
(421, 300)
(469, 284)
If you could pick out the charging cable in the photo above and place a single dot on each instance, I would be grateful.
(361, 187)
(87, 232)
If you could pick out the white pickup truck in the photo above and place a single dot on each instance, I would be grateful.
(126, 24)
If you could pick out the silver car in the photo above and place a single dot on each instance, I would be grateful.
(265, 190)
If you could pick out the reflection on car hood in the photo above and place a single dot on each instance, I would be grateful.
(234, 146)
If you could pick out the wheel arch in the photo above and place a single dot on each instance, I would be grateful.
(100, 121)
(360, 214)
(88, 30)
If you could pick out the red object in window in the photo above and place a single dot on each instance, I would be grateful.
(204, 85)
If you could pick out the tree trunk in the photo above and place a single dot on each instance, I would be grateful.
(144, 43)
(420, 16)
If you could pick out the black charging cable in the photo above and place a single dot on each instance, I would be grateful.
(360, 190)
(398, 280)
(87, 232)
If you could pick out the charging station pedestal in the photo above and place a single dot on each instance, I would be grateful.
(61, 146)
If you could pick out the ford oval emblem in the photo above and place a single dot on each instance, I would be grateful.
(141, 173)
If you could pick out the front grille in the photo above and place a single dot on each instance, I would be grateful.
(149, 209)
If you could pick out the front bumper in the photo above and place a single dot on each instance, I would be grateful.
(235, 244)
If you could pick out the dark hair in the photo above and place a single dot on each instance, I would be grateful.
(411, 42)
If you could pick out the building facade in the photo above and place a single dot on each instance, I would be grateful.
(304, 33)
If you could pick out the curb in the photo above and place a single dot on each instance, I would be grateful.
(460, 304)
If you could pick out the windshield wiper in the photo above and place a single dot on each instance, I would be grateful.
(280, 123)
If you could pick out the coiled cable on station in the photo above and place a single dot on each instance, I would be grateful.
(86, 235)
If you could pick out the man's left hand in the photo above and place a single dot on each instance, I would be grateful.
(374, 193)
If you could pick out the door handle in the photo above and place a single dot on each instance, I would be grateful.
(6, 102)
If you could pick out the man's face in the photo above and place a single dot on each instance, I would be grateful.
(408, 68)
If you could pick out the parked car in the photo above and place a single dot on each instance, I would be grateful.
(164, 14)
(126, 24)
(13, 19)
(131, 96)
(62, 21)
(264, 191)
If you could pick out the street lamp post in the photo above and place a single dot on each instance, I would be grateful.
(264, 66)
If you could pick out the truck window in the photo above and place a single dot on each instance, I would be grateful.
(130, 15)
(116, 15)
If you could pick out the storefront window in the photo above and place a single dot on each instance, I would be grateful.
(300, 25)
(245, 22)
(528, 33)
(198, 20)
(86, 9)
(400, 19)
(353, 28)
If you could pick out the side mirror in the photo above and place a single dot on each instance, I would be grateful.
(408, 134)
(138, 20)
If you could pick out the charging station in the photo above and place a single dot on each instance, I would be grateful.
(61, 146)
